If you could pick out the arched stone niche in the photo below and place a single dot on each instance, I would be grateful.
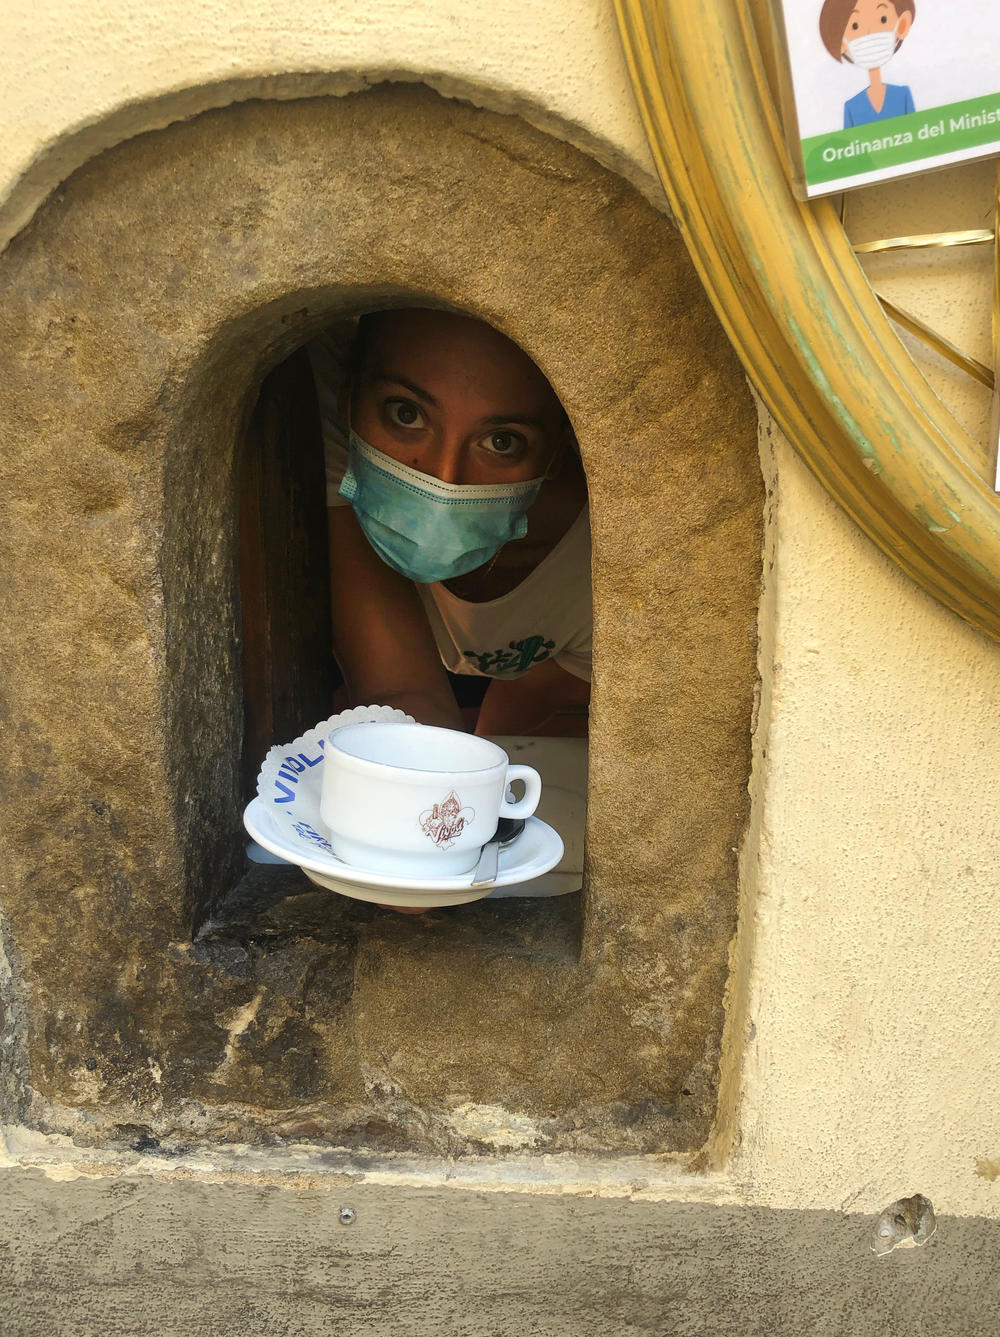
(141, 309)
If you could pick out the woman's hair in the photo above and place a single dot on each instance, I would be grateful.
(833, 21)
(367, 329)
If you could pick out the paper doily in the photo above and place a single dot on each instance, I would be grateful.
(287, 780)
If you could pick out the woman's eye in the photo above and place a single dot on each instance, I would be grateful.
(404, 413)
(504, 443)
(885, 19)
(854, 26)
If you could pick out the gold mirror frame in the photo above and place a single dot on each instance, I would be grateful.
(798, 307)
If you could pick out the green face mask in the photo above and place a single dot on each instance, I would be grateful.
(425, 529)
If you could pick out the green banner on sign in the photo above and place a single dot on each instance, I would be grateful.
(918, 138)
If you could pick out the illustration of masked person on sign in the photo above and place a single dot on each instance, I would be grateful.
(868, 33)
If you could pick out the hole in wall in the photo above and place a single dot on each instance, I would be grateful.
(504, 642)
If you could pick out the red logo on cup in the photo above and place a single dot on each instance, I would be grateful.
(445, 822)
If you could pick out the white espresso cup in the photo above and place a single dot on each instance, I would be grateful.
(416, 800)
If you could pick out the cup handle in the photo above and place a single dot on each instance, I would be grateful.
(525, 806)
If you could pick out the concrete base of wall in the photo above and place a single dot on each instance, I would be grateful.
(132, 1254)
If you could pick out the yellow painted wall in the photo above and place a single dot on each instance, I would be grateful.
(80, 77)
(874, 974)
(861, 1054)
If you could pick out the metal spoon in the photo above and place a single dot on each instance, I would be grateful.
(508, 830)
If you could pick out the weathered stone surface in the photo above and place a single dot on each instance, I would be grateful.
(139, 313)
(126, 1256)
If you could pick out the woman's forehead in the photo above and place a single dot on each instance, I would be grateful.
(442, 346)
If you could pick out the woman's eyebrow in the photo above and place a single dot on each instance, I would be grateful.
(390, 378)
(520, 419)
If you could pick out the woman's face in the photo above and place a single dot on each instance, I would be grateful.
(875, 16)
(454, 398)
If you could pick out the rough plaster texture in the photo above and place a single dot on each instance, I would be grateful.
(866, 1008)
(138, 1256)
(950, 288)
(230, 239)
(81, 79)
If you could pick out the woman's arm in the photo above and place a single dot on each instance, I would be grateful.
(381, 636)
(546, 702)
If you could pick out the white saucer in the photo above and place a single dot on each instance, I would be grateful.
(394, 896)
(285, 819)
(536, 850)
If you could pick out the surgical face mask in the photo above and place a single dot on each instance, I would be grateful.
(871, 52)
(425, 529)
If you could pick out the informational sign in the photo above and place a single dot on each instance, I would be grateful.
(876, 89)
(995, 415)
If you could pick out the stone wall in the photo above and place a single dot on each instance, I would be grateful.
(141, 308)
